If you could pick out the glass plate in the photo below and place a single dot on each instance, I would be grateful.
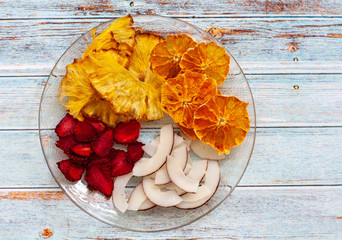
(157, 218)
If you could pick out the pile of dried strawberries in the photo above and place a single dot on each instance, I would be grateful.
(89, 146)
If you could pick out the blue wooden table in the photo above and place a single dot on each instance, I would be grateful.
(291, 51)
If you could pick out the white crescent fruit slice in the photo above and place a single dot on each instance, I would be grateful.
(147, 204)
(198, 170)
(138, 200)
(177, 175)
(205, 151)
(212, 181)
(119, 195)
(186, 138)
(162, 176)
(146, 166)
(151, 147)
(172, 186)
(178, 140)
(157, 196)
(187, 167)
(202, 192)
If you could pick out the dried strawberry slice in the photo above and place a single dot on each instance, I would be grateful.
(96, 124)
(66, 143)
(85, 132)
(127, 132)
(120, 164)
(72, 171)
(77, 159)
(103, 144)
(98, 176)
(135, 152)
(82, 149)
(66, 126)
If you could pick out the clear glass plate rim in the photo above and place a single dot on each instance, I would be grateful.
(121, 226)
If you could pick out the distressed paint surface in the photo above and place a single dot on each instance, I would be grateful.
(282, 156)
(319, 98)
(264, 40)
(250, 213)
(109, 8)
(271, 39)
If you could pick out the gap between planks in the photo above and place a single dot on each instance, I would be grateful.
(249, 68)
(253, 188)
(245, 16)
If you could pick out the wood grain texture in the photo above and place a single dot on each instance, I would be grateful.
(249, 213)
(250, 40)
(282, 156)
(278, 103)
(109, 8)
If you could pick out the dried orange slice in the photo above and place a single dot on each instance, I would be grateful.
(140, 59)
(168, 53)
(222, 122)
(189, 132)
(119, 36)
(210, 59)
(182, 95)
(126, 94)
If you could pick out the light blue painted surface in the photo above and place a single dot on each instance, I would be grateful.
(264, 36)
(248, 39)
(319, 99)
(250, 213)
(296, 157)
(109, 8)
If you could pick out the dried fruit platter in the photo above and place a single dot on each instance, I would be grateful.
(147, 123)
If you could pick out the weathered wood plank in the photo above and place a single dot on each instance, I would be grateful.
(295, 67)
(249, 213)
(109, 8)
(282, 156)
(252, 40)
(277, 101)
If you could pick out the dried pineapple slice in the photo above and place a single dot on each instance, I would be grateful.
(101, 110)
(75, 90)
(119, 35)
(140, 59)
(127, 94)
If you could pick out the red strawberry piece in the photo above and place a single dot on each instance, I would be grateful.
(77, 158)
(85, 132)
(134, 152)
(127, 132)
(120, 164)
(66, 143)
(72, 171)
(97, 125)
(82, 149)
(103, 144)
(66, 126)
(98, 176)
